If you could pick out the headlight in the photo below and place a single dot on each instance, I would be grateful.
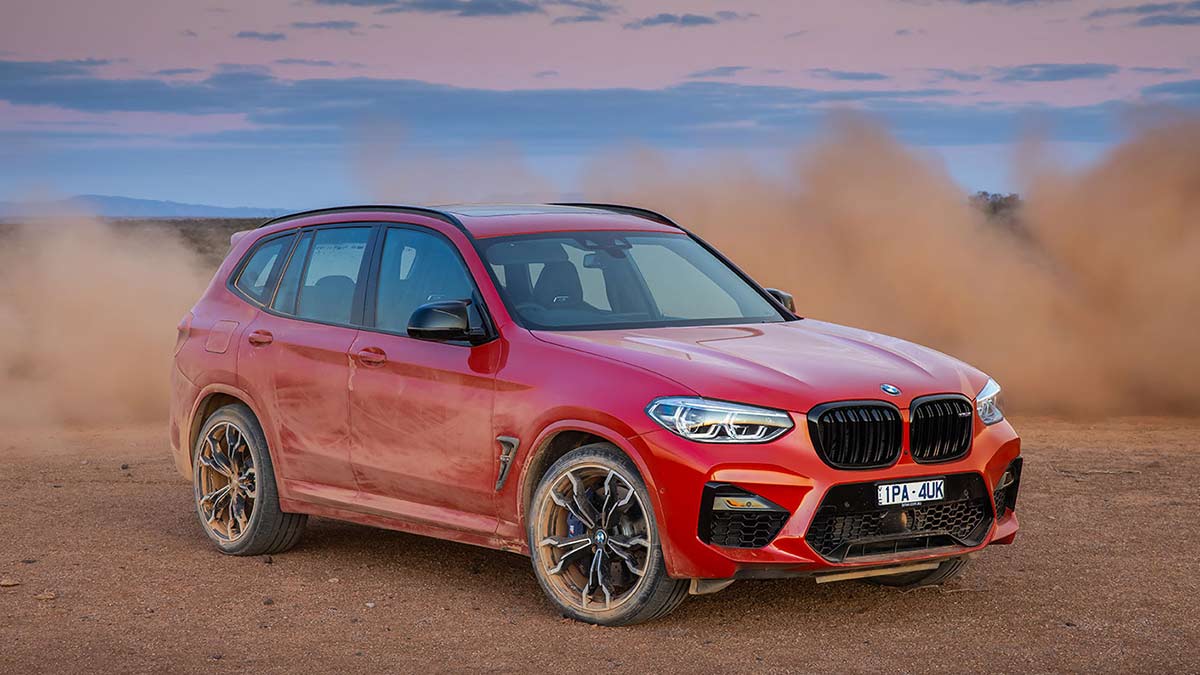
(708, 421)
(987, 403)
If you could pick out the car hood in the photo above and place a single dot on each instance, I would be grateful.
(792, 365)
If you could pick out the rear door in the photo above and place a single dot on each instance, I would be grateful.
(421, 411)
(295, 355)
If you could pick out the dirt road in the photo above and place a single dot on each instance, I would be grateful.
(1105, 576)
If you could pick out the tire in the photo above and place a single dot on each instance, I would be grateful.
(620, 503)
(948, 570)
(267, 529)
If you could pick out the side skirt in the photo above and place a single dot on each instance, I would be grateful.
(393, 514)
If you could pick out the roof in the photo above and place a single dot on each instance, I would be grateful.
(494, 220)
(494, 210)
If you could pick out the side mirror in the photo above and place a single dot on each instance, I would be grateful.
(784, 299)
(443, 321)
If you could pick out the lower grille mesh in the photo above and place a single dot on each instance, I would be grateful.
(736, 527)
(744, 530)
(849, 524)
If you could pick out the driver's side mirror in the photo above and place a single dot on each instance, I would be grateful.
(784, 299)
(444, 321)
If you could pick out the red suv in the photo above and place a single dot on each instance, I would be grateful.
(589, 385)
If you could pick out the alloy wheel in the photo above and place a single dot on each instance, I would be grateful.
(226, 482)
(594, 538)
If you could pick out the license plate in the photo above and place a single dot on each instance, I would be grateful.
(905, 494)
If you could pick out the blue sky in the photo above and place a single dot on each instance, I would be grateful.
(273, 103)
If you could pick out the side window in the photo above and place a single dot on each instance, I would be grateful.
(332, 274)
(416, 268)
(289, 283)
(260, 272)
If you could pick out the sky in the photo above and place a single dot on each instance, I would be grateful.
(273, 103)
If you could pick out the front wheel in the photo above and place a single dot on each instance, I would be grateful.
(594, 542)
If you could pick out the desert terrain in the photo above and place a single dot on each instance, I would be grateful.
(1080, 299)
(113, 574)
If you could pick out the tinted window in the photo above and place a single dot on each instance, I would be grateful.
(332, 275)
(416, 268)
(289, 284)
(609, 279)
(258, 276)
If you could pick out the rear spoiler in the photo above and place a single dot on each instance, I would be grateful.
(233, 238)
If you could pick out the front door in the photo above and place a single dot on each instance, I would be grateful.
(421, 412)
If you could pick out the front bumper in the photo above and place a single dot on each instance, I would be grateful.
(788, 473)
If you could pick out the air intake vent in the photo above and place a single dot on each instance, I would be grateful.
(856, 434)
(1005, 495)
(734, 518)
(850, 524)
(940, 428)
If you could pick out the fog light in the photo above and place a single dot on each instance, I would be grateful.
(742, 503)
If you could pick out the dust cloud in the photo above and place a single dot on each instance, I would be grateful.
(1089, 304)
(87, 319)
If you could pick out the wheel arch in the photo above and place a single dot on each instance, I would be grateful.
(563, 436)
(212, 398)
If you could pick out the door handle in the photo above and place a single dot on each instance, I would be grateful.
(372, 356)
(261, 337)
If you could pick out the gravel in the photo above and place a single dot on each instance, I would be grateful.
(1103, 577)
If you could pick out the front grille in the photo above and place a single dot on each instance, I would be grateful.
(940, 428)
(849, 523)
(738, 528)
(856, 434)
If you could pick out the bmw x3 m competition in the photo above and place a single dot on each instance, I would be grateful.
(589, 385)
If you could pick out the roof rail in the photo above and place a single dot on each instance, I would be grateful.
(417, 210)
(628, 210)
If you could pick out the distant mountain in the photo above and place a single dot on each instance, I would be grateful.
(126, 207)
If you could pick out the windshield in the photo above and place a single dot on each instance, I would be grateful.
(597, 280)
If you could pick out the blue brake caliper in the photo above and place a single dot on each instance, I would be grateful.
(575, 526)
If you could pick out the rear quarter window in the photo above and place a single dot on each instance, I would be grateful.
(263, 265)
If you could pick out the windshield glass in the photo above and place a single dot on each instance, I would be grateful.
(597, 280)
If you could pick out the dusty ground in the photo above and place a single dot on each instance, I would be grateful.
(1105, 576)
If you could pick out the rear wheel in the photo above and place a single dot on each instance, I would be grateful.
(594, 542)
(944, 572)
(234, 487)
